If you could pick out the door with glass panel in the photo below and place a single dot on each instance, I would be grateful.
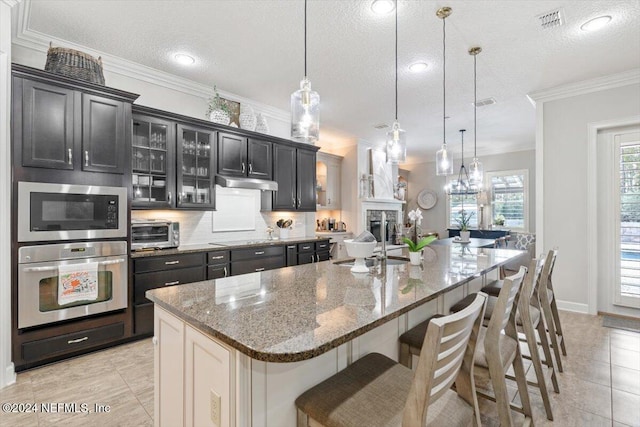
(195, 155)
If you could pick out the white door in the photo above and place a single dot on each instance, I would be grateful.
(619, 221)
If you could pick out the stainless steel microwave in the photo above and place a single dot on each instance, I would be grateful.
(154, 234)
(57, 212)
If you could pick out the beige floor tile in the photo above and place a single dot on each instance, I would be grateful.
(19, 419)
(626, 341)
(626, 408)
(584, 396)
(587, 348)
(586, 369)
(625, 358)
(625, 379)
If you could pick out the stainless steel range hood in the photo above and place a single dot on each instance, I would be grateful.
(250, 183)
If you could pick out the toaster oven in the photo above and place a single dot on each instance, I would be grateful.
(154, 234)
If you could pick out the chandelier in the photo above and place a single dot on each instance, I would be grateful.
(396, 137)
(463, 185)
(444, 164)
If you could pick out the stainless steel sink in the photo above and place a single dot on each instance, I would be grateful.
(370, 262)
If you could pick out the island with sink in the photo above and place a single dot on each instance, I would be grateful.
(237, 351)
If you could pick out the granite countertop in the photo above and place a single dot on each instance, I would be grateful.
(296, 313)
(222, 246)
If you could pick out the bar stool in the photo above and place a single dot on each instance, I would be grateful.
(376, 391)
(550, 308)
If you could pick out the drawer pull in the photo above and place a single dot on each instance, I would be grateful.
(171, 262)
(306, 247)
(69, 156)
(226, 272)
(259, 252)
(217, 257)
(291, 247)
(77, 340)
(175, 282)
(260, 269)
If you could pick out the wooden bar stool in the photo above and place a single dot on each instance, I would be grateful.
(550, 308)
(375, 391)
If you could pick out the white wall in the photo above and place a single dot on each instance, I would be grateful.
(423, 175)
(7, 375)
(564, 124)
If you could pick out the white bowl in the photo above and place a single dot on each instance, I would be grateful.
(359, 249)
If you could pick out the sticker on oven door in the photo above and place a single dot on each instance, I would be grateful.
(77, 282)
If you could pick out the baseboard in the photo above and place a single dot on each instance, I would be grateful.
(9, 376)
(573, 306)
(619, 316)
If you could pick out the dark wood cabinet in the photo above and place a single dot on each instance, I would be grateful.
(103, 134)
(217, 264)
(257, 259)
(240, 156)
(69, 125)
(295, 172)
(195, 165)
(47, 125)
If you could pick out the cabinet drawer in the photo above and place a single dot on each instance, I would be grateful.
(35, 350)
(143, 319)
(167, 262)
(158, 279)
(322, 256)
(322, 246)
(217, 271)
(306, 258)
(218, 257)
(253, 253)
(306, 247)
(251, 266)
(292, 255)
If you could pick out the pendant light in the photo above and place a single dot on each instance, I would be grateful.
(396, 137)
(463, 185)
(305, 104)
(444, 163)
(475, 168)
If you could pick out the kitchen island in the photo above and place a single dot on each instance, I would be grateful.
(238, 351)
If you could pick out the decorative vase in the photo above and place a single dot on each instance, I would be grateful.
(261, 124)
(220, 116)
(284, 233)
(248, 119)
(464, 236)
(415, 258)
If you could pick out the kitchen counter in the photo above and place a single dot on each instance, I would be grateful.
(296, 313)
(217, 246)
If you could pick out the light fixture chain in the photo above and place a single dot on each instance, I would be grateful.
(396, 7)
(475, 108)
(444, 79)
(305, 39)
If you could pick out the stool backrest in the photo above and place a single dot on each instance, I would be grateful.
(529, 290)
(547, 270)
(505, 306)
(447, 353)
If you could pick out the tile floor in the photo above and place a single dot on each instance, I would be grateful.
(600, 385)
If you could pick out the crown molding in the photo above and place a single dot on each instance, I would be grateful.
(612, 81)
(39, 42)
(10, 3)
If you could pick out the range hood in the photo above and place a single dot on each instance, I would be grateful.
(250, 183)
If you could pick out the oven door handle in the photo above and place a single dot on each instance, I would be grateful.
(55, 267)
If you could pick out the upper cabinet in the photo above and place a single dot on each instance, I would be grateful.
(195, 163)
(328, 172)
(240, 156)
(294, 169)
(60, 123)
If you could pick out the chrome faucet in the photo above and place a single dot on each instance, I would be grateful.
(382, 255)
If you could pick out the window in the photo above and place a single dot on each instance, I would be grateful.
(628, 256)
(509, 198)
(458, 202)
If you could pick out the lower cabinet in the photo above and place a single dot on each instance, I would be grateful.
(218, 264)
(257, 259)
(201, 393)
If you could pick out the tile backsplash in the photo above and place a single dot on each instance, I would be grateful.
(197, 227)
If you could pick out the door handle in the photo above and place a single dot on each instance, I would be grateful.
(293, 201)
(69, 156)
(169, 197)
(77, 340)
(35, 269)
(175, 282)
(86, 158)
(179, 198)
(226, 273)
(115, 261)
(250, 168)
(243, 167)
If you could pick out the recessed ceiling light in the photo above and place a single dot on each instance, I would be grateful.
(595, 23)
(184, 59)
(382, 7)
(418, 67)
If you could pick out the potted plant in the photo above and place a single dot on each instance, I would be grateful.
(463, 222)
(217, 109)
(499, 220)
(415, 245)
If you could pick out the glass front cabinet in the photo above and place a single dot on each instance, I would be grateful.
(195, 167)
(153, 146)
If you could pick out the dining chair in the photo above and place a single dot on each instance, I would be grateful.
(377, 391)
(497, 349)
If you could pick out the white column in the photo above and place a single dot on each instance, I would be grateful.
(7, 373)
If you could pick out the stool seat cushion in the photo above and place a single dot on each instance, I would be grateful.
(463, 303)
(493, 288)
(372, 392)
(415, 336)
(507, 349)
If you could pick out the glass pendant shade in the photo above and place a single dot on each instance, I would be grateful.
(444, 162)
(396, 145)
(305, 113)
(476, 172)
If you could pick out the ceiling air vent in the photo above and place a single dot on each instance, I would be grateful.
(553, 18)
(381, 126)
(485, 102)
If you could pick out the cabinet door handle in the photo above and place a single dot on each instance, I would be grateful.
(69, 156)
(299, 202)
(260, 269)
(306, 247)
(250, 168)
(259, 252)
(226, 272)
(77, 340)
(291, 247)
(179, 198)
(217, 257)
(172, 262)
(175, 282)
(86, 158)
(293, 201)
(318, 257)
(329, 201)
(243, 168)
(169, 197)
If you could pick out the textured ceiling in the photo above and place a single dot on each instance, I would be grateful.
(255, 49)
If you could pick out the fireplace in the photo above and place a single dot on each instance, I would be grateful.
(374, 224)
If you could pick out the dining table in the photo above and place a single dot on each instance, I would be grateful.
(471, 243)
